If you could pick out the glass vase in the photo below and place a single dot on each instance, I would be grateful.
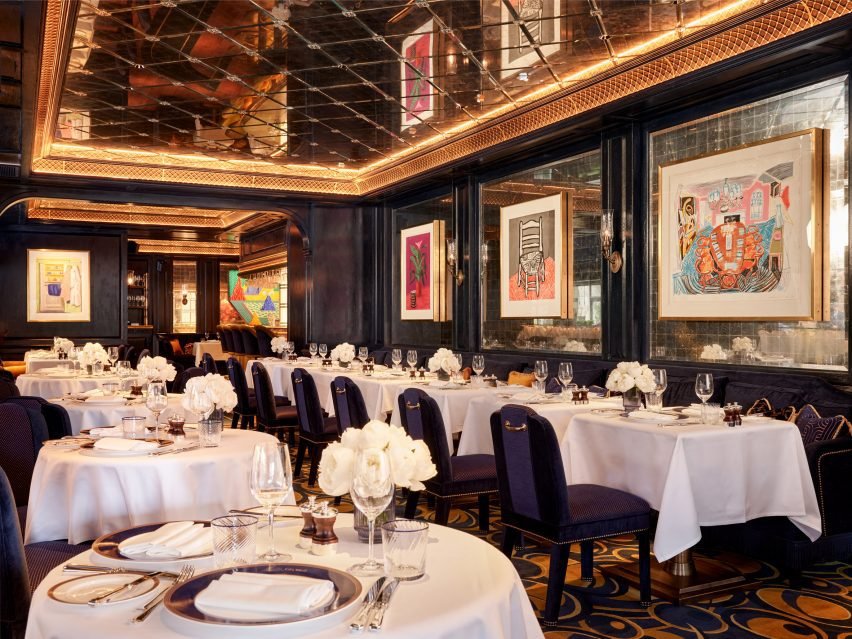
(632, 400)
(362, 525)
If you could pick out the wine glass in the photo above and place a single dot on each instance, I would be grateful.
(371, 491)
(565, 374)
(363, 353)
(271, 483)
(411, 358)
(396, 357)
(540, 370)
(73, 355)
(157, 401)
(661, 381)
(112, 355)
(289, 347)
(312, 348)
(478, 364)
(704, 386)
(323, 350)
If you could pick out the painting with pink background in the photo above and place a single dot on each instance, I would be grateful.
(418, 249)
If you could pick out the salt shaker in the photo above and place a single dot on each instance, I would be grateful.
(309, 527)
(324, 541)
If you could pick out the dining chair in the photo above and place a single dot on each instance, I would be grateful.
(8, 388)
(143, 353)
(250, 346)
(24, 432)
(227, 334)
(315, 430)
(458, 475)
(536, 501)
(179, 384)
(269, 416)
(530, 256)
(55, 416)
(129, 354)
(246, 409)
(349, 408)
(237, 339)
(208, 364)
(264, 341)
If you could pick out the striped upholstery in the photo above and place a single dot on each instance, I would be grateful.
(23, 434)
(14, 580)
(55, 415)
(44, 556)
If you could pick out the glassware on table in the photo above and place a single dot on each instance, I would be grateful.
(478, 364)
(74, 356)
(711, 413)
(540, 370)
(660, 380)
(234, 540)
(133, 426)
(396, 357)
(411, 358)
(157, 401)
(112, 354)
(271, 484)
(565, 373)
(323, 350)
(363, 353)
(110, 388)
(653, 401)
(312, 349)
(371, 491)
(404, 543)
(704, 386)
(98, 368)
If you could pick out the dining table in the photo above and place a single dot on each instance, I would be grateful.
(100, 412)
(38, 359)
(212, 346)
(78, 494)
(470, 591)
(50, 383)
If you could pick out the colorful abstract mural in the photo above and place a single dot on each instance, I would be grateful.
(256, 302)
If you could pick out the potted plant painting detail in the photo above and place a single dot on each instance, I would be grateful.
(421, 278)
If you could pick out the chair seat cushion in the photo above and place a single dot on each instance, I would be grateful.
(329, 432)
(471, 474)
(590, 502)
(279, 400)
(287, 414)
(44, 556)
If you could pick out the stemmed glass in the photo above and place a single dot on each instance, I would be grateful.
(157, 401)
(704, 387)
(363, 353)
(312, 348)
(289, 347)
(662, 382)
(271, 483)
(371, 491)
(411, 358)
(396, 357)
(323, 350)
(540, 372)
(565, 374)
(73, 356)
(112, 354)
(478, 364)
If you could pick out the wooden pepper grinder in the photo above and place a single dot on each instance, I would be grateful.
(309, 527)
(324, 541)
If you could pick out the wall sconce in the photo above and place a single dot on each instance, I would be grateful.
(184, 296)
(613, 257)
(452, 262)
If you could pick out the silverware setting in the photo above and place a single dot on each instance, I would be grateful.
(104, 570)
(381, 606)
(261, 515)
(174, 451)
(360, 620)
(107, 597)
(185, 574)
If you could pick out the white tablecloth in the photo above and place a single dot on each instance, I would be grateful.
(213, 346)
(81, 497)
(50, 386)
(87, 415)
(35, 360)
(696, 475)
(471, 592)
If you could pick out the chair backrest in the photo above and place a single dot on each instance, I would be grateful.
(179, 385)
(130, 355)
(24, 432)
(8, 389)
(6, 375)
(263, 393)
(249, 341)
(264, 341)
(208, 364)
(529, 236)
(422, 419)
(349, 405)
(15, 602)
(238, 380)
(237, 338)
(55, 416)
(226, 335)
(143, 353)
(529, 466)
(307, 402)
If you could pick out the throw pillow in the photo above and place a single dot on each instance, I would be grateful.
(521, 379)
(814, 428)
(176, 347)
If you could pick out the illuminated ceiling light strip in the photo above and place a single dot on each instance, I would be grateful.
(229, 249)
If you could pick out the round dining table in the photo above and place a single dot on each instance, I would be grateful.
(470, 591)
(51, 384)
(98, 412)
(78, 495)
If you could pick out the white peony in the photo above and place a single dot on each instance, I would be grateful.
(444, 360)
(628, 375)
(713, 351)
(216, 387)
(62, 345)
(156, 368)
(411, 463)
(91, 353)
(279, 344)
(743, 345)
(344, 352)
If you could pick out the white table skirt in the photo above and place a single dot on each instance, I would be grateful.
(696, 475)
(471, 592)
(213, 346)
(53, 386)
(80, 497)
(36, 360)
(85, 415)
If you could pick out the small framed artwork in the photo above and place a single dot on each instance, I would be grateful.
(536, 259)
(58, 286)
(741, 232)
(73, 125)
(541, 20)
(418, 96)
(422, 280)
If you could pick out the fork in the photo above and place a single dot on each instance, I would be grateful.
(185, 574)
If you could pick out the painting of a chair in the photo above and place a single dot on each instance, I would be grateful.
(530, 256)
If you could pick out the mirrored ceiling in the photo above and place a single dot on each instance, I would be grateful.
(332, 88)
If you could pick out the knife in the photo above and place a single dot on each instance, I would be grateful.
(174, 451)
(382, 605)
(105, 598)
(360, 620)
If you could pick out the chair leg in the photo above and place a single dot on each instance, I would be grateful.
(300, 457)
(442, 510)
(484, 512)
(250, 423)
(292, 437)
(510, 539)
(556, 582)
(411, 504)
(337, 500)
(587, 560)
(316, 451)
(244, 422)
(235, 420)
(644, 568)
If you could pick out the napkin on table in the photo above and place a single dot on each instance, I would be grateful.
(173, 540)
(273, 594)
(113, 443)
(107, 431)
(651, 416)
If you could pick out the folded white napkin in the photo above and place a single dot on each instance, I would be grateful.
(651, 416)
(694, 410)
(527, 396)
(94, 392)
(40, 355)
(113, 443)
(107, 431)
(272, 594)
(438, 384)
(173, 540)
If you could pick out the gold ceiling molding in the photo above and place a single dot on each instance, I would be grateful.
(265, 263)
(171, 247)
(554, 105)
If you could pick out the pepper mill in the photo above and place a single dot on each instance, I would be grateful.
(309, 527)
(412, 373)
(422, 373)
(324, 541)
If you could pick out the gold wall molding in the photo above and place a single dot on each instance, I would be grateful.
(172, 247)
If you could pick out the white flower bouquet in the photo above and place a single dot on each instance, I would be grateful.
(92, 352)
(443, 360)
(714, 352)
(343, 353)
(411, 463)
(279, 344)
(216, 387)
(156, 368)
(629, 375)
(743, 345)
(62, 345)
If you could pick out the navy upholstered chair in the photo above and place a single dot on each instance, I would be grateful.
(315, 430)
(55, 416)
(250, 346)
(179, 385)
(246, 409)
(208, 364)
(227, 334)
(349, 408)
(269, 416)
(264, 341)
(457, 475)
(8, 388)
(130, 355)
(24, 432)
(143, 353)
(536, 501)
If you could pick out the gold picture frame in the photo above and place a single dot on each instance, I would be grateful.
(423, 283)
(59, 286)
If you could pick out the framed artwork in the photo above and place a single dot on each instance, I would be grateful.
(741, 232)
(541, 18)
(422, 281)
(72, 125)
(59, 286)
(418, 97)
(536, 259)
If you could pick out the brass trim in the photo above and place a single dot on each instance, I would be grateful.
(411, 406)
(514, 429)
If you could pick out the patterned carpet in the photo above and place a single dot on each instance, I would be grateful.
(820, 609)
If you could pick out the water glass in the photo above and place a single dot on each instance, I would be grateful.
(323, 350)
(710, 413)
(98, 368)
(133, 426)
(363, 353)
(210, 432)
(110, 388)
(539, 386)
(234, 540)
(404, 543)
(540, 370)
(271, 482)
(396, 357)
(704, 386)
(112, 353)
(653, 401)
(411, 358)
(478, 364)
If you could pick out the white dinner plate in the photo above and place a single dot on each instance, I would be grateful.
(105, 401)
(757, 419)
(80, 590)
(647, 416)
(107, 546)
(91, 451)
